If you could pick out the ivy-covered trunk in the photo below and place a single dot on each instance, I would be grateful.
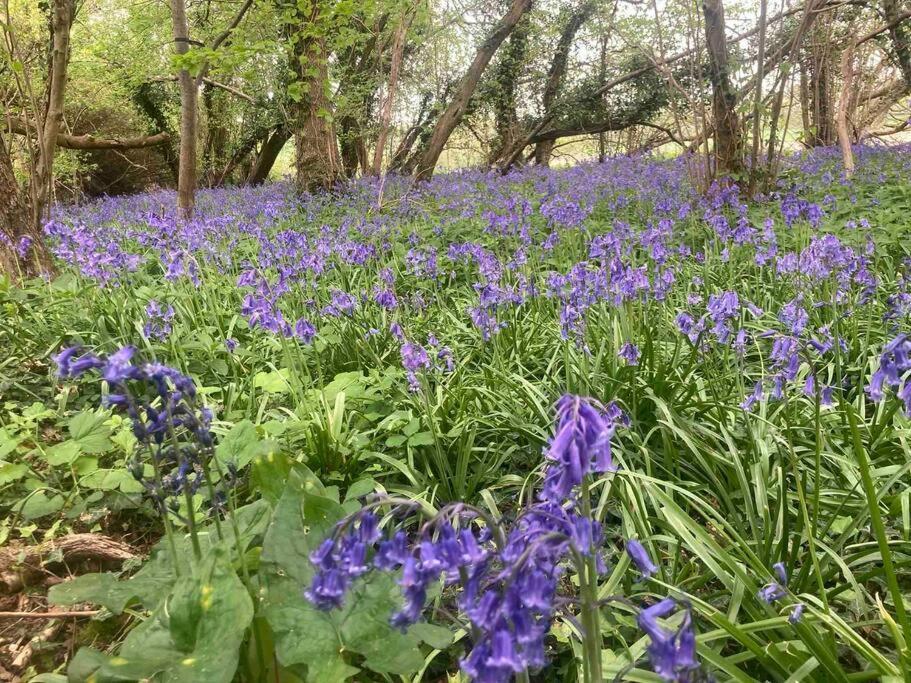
(317, 164)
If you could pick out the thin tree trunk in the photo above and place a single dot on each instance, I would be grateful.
(429, 154)
(819, 87)
(398, 54)
(189, 94)
(846, 103)
(728, 142)
(757, 99)
(61, 21)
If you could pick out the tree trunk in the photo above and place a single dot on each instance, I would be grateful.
(846, 104)
(819, 87)
(728, 142)
(189, 94)
(267, 155)
(22, 249)
(557, 73)
(214, 151)
(352, 146)
(430, 152)
(398, 54)
(316, 162)
(61, 21)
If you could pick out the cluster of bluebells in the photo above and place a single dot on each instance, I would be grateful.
(894, 372)
(158, 321)
(173, 433)
(416, 359)
(506, 575)
(774, 591)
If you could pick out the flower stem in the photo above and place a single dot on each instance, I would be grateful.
(588, 580)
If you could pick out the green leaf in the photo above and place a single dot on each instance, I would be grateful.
(195, 636)
(64, 453)
(273, 382)
(241, 445)
(88, 430)
(421, 439)
(12, 471)
(268, 475)
(111, 479)
(360, 488)
(39, 504)
(8, 442)
(98, 589)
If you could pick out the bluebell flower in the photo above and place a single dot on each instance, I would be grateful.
(580, 446)
(640, 558)
(671, 653)
(119, 367)
(630, 353)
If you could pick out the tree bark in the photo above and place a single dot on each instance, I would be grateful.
(88, 142)
(352, 148)
(429, 153)
(505, 79)
(189, 95)
(398, 54)
(557, 72)
(819, 88)
(62, 12)
(267, 155)
(846, 103)
(728, 142)
(900, 35)
(316, 163)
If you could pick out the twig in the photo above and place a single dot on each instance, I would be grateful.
(49, 615)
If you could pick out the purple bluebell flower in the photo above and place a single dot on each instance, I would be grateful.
(581, 445)
(414, 360)
(672, 653)
(640, 558)
(69, 366)
(119, 367)
(629, 352)
(894, 365)
(158, 321)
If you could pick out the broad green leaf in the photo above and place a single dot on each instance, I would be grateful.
(273, 382)
(12, 471)
(64, 453)
(39, 504)
(241, 444)
(195, 636)
(88, 430)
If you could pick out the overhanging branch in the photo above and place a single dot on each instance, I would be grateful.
(88, 142)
